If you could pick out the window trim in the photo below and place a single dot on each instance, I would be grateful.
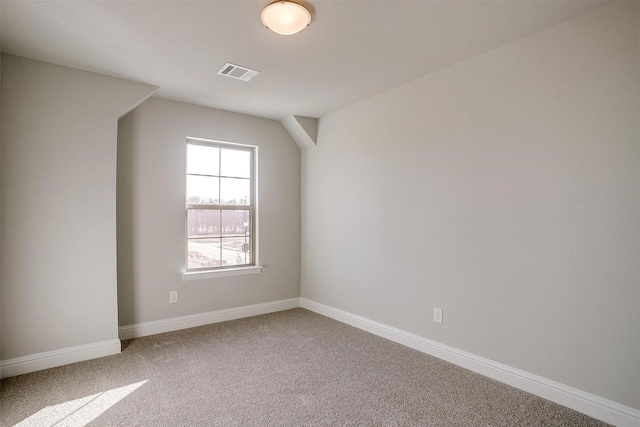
(225, 272)
(232, 270)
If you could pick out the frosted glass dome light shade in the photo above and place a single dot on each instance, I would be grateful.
(285, 17)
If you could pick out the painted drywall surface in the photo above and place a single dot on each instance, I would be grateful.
(151, 196)
(0, 185)
(504, 190)
(59, 134)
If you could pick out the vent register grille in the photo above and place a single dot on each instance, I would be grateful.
(238, 72)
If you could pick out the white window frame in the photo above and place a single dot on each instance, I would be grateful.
(235, 270)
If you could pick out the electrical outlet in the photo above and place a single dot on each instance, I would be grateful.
(173, 296)
(437, 315)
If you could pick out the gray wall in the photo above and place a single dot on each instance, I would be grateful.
(503, 189)
(59, 134)
(0, 185)
(151, 196)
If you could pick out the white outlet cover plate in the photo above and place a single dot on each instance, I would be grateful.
(437, 315)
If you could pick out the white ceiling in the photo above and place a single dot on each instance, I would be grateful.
(352, 50)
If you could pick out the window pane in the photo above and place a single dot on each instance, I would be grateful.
(202, 159)
(203, 223)
(236, 223)
(235, 163)
(203, 253)
(219, 175)
(235, 191)
(202, 190)
(236, 250)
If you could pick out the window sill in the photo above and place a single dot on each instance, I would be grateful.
(211, 274)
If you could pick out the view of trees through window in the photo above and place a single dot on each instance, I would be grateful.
(219, 205)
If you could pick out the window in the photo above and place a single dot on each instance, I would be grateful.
(220, 206)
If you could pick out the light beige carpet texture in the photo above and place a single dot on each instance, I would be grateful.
(292, 368)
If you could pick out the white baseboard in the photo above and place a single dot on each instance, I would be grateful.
(176, 323)
(587, 403)
(51, 359)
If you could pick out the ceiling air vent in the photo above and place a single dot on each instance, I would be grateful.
(238, 72)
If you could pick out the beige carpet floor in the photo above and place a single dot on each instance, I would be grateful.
(292, 368)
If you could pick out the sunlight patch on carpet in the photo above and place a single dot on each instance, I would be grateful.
(79, 412)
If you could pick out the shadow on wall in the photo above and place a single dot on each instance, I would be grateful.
(125, 222)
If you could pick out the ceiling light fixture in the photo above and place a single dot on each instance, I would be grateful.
(285, 17)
